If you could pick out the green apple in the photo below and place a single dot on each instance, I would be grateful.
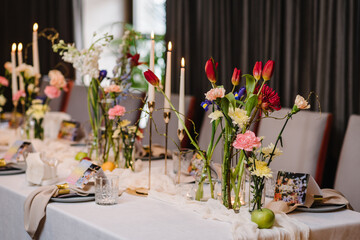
(80, 155)
(264, 217)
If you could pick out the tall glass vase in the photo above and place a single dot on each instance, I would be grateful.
(256, 192)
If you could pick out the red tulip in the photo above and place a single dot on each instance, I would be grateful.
(268, 70)
(235, 80)
(210, 70)
(152, 78)
(257, 70)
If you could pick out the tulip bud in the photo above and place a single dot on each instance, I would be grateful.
(210, 70)
(268, 70)
(235, 80)
(152, 78)
(257, 70)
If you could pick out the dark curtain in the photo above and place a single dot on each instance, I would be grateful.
(314, 43)
(16, 23)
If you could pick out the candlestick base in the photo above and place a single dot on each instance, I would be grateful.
(167, 116)
(151, 106)
(181, 134)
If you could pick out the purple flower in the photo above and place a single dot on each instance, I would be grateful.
(102, 74)
(240, 93)
(205, 104)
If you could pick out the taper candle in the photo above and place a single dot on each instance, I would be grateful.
(20, 61)
(14, 86)
(168, 79)
(182, 94)
(35, 49)
(151, 90)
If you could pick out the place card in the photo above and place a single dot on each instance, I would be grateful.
(17, 151)
(296, 188)
(82, 174)
(69, 130)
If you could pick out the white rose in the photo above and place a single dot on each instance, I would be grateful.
(29, 72)
(8, 67)
(301, 103)
(2, 100)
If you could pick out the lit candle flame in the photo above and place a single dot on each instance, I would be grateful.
(169, 46)
(20, 47)
(182, 62)
(13, 47)
(152, 35)
(35, 27)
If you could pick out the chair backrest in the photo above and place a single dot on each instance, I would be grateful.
(305, 141)
(78, 107)
(347, 176)
(132, 103)
(158, 118)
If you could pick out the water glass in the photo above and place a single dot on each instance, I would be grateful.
(184, 156)
(106, 190)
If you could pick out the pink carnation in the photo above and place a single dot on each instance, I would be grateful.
(116, 111)
(4, 81)
(215, 93)
(18, 95)
(52, 92)
(247, 141)
(113, 88)
(57, 79)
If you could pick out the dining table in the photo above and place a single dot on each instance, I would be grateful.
(162, 214)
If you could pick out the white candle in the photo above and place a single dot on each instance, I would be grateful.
(151, 91)
(168, 79)
(35, 49)
(182, 94)
(14, 86)
(20, 61)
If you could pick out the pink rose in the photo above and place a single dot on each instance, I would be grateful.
(18, 95)
(52, 92)
(57, 79)
(116, 111)
(247, 141)
(4, 81)
(113, 88)
(215, 93)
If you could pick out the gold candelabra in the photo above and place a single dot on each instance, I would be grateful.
(167, 116)
(181, 134)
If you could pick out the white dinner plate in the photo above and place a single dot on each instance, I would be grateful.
(324, 208)
(73, 199)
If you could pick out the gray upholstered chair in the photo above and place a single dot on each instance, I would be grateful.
(305, 141)
(347, 176)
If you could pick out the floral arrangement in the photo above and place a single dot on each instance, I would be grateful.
(233, 113)
(38, 107)
(3, 84)
(103, 96)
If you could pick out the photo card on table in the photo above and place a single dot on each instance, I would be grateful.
(69, 130)
(82, 174)
(17, 152)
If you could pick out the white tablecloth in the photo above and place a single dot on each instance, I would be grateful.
(137, 217)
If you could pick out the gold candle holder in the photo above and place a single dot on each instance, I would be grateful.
(181, 134)
(151, 109)
(144, 191)
(167, 116)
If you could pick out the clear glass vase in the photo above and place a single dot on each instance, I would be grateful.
(129, 153)
(205, 187)
(256, 192)
(38, 128)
